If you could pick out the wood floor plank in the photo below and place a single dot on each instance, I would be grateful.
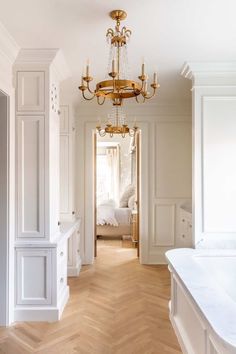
(116, 306)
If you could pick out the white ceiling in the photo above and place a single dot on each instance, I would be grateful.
(165, 32)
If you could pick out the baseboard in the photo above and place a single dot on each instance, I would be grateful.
(158, 258)
(63, 300)
(74, 271)
(42, 313)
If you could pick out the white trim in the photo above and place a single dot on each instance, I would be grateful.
(8, 53)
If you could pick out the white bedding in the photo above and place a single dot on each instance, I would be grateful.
(123, 215)
(108, 215)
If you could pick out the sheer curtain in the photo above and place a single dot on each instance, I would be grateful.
(108, 174)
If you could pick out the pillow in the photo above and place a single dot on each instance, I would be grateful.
(131, 202)
(128, 192)
(106, 215)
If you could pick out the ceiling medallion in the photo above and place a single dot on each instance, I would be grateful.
(118, 86)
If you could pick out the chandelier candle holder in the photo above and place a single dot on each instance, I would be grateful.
(119, 86)
(116, 124)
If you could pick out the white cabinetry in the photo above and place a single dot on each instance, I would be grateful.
(67, 185)
(40, 246)
(67, 163)
(185, 235)
(74, 259)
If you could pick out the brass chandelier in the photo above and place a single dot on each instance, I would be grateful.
(118, 85)
(116, 124)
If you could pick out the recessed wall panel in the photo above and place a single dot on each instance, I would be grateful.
(164, 225)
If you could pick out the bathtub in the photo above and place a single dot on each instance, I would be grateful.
(203, 300)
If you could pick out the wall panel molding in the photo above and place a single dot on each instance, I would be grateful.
(164, 224)
(30, 170)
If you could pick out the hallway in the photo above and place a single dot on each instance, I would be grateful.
(116, 306)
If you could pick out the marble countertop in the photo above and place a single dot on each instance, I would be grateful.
(215, 305)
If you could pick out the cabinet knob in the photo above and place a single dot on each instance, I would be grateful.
(62, 253)
(59, 223)
(61, 280)
(58, 112)
(190, 225)
(73, 212)
(183, 220)
(77, 251)
(183, 236)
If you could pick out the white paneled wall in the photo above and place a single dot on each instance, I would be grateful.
(214, 151)
(165, 177)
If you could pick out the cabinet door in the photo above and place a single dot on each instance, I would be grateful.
(64, 174)
(30, 91)
(30, 172)
(64, 120)
(33, 276)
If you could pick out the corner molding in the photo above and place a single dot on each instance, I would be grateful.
(47, 57)
(8, 46)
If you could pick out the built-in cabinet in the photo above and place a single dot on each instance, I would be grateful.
(67, 163)
(41, 246)
(67, 185)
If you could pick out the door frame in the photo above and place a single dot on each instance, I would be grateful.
(89, 201)
(5, 267)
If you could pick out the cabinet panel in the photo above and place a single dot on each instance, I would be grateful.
(30, 91)
(64, 119)
(30, 165)
(34, 267)
(64, 174)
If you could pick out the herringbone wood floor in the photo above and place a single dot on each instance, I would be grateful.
(116, 306)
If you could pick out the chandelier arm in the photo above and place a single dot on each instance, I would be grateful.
(88, 87)
(88, 98)
(100, 102)
(150, 96)
(137, 100)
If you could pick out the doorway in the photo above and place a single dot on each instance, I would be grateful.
(4, 165)
(116, 191)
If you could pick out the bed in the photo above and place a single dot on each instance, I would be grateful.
(113, 221)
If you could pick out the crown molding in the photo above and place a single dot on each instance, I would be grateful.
(210, 73)
(8, 46)
(46, 57)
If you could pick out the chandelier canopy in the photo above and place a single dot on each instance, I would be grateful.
(118, 86)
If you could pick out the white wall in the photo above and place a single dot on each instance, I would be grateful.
(167, 144)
